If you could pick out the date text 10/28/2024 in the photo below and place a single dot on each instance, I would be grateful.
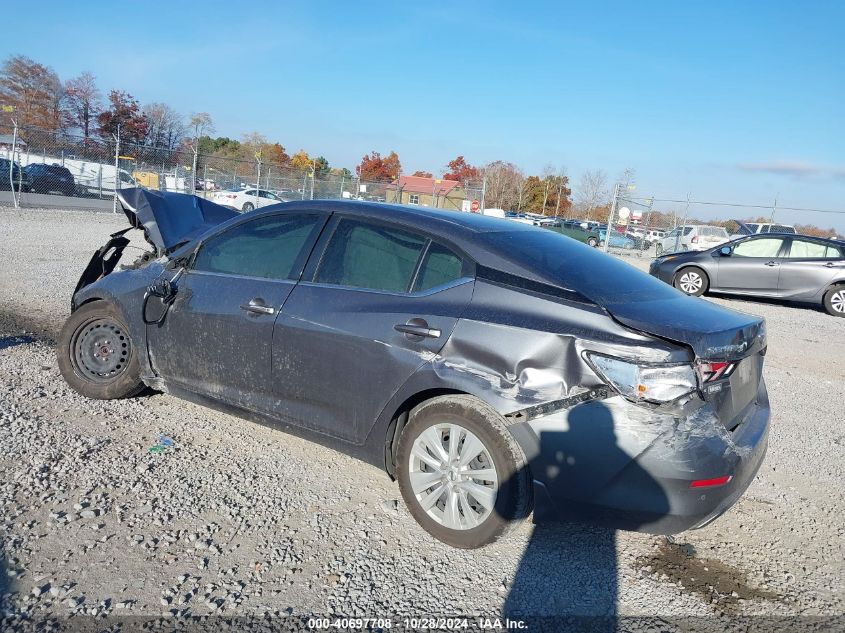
(422, 623)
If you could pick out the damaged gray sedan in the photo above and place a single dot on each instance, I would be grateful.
(491, 368)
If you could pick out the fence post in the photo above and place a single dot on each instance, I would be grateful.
(12, 163)
(116, 167)
(342, 178)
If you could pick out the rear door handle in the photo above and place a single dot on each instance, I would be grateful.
(257, 306)
(416, 329)
(829, 265)
(771, 263)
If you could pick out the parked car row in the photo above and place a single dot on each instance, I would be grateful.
(37, 178)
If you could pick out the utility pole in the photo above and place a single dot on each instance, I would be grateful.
(610, 216)
(774, 210)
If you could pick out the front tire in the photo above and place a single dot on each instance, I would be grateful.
(691, 281)
(834, 301)
(461, 473)
(658, 250)
(96, 355)
(592, 242)
(248, 207)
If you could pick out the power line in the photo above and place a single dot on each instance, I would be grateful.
(733, 204)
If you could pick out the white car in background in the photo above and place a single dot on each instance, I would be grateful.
(246, 199)
(692, 237)
(752, 228)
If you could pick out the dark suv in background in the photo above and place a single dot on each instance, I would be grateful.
(50, 179)
(17, 176)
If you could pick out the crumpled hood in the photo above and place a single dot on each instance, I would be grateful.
(171, 218)
(713, 332)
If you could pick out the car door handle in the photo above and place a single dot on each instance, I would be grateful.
(771, 263)
(257, 306)
(829, 265)
(417, 328)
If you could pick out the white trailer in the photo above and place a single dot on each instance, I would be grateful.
(92, 178)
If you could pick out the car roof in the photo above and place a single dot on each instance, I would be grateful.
(440, 221)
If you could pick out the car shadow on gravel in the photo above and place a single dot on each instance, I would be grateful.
(567, 577)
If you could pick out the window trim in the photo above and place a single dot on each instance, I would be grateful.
(319, 250)
(299, 264)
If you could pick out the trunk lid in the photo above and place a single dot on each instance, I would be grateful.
(716, 335)
(713, 332)
(169, 219)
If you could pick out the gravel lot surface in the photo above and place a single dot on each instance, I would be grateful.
(234, 518)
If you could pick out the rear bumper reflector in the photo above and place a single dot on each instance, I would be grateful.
(709, 483)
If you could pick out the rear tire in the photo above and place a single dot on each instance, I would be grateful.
(834, 301)
(430, 470)
(691, 281)
(248, 207)
(96, 355)
(591, 241)
(658, 250)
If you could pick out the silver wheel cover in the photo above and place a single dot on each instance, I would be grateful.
(453, 477)
(837, 301)
(690, 282)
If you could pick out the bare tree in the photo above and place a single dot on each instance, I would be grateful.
(82, 102)
(166, 127)
(592, 189)
(627, 176)
(201, 123)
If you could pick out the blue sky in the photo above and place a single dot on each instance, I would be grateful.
(729, 101)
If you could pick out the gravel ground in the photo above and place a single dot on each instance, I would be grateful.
(236, 519)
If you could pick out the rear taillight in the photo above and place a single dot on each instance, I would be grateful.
(645, 383)
(715, 370)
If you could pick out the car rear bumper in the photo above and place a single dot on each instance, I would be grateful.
(638, 475)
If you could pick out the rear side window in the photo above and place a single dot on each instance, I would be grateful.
(440, 266)
(688, 230)
(766, 247)
(368, 256)
(268, 247)
(809, 250)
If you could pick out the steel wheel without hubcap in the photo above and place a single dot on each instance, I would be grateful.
(691, 282)
(453, 476)
(101, 350)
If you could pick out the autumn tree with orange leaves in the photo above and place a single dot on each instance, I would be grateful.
(374, 167)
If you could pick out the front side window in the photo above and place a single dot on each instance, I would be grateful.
(766, 247)
(268, 248)
(440, 266)
(369, 256)
(413, 199)
(805, 249)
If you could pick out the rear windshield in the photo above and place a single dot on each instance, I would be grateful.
(565, 262)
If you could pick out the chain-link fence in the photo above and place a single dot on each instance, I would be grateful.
(38, 163)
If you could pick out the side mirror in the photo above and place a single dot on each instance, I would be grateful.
(160, 294)
(725, 251)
